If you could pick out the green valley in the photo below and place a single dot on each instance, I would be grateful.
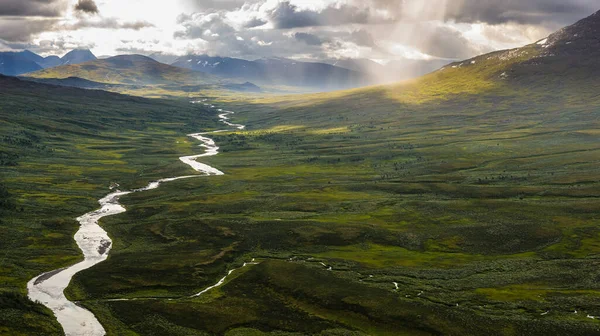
(464, 202)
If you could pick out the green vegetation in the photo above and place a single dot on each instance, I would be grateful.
(461, 203)
(469, 200)
(62, 148)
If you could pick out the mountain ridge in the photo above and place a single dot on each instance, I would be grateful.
(126, 69)
(14, 63)
(275, 71)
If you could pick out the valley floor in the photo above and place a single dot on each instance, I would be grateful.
(364, 219)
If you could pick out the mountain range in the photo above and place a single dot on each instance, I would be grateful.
(17, 63)
(126, 69)
(327, 75)
(276, 71)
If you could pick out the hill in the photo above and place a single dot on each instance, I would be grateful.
(73, 82)
(60, 150)
(276, 71)
(127, 69)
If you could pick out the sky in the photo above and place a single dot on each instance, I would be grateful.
(381, 30)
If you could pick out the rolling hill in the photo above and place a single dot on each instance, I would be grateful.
(127, 69)
(54, 138)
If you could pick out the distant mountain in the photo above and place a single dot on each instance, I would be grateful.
(50, 61)
(361, 65)
(12, 64)
(275, 71)
(78, 56)
(222, 66)
(127, 69)
(18, 63)
(163, 57)
(245, 87)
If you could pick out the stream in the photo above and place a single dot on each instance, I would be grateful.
(95, 244)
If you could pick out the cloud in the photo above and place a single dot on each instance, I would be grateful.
(86, 6)
(307, 38)
(17, 29)
(214, 5)
(135, 25)
(551, 12)
(107, 23)
(11, 46)
(255, 22)
(519, 11)
(204, 26)
(44, 8)
(286, 16)
(300, 29)
(444, 42)
(363, 38)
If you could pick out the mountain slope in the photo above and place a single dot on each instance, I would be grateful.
(78, 56)
(275, 71)
(562, 69)
(127, 69)
(60, 150)
(12, 64)
(17, 63)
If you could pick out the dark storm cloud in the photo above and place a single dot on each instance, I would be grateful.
(11, 46)
(550, 12)
(309, 39)
(287, 15)
(86, 6)
(46, 8)
(520, 11)
(16, 29)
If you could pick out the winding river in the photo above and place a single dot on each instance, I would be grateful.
(95, 244)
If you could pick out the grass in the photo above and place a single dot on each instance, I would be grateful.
(404, 193)
(476, 194)
(62, 148)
